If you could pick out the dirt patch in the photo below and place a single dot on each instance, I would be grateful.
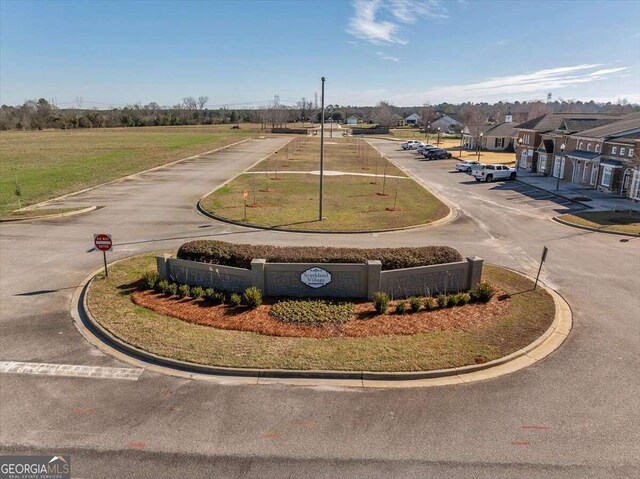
(365, 323)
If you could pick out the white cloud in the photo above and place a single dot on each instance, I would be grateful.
(517, 87)
(366, 23)
(391, 59)
(501, 42)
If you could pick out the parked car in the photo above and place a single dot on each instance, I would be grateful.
(467, 165)
(426, 151)
(410, 145)
(420, 149)
(437, 154)
(489, 173)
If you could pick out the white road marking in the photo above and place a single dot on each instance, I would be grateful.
(70, 370)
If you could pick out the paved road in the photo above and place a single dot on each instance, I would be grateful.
(575, 414)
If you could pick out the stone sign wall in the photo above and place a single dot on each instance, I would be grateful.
(357, 280)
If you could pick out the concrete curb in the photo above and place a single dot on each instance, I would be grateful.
(57, 215)
(558, 219)
(110, 344)
(452, 216)
(133, 175)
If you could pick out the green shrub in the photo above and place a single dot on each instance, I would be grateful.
(482, 293)
(415, 304)
(172, 289)
(162, 286)
(234, 300)
(463, 298)
(452, 300)
(442, 300)
(429, 304)
(150, 279)
(213, 296)
(197, 292)
(312, 312)
(381, 302)
(184, 290)
(252, 297)
(401, 307)
(240, 255)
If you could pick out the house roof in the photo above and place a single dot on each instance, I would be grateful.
(475, 130)
(413, 116)
(612, 163)
(583, 155)
(395, 116)
(502, 130)
(566, 121)
(618, 128)
(446, 119)
(354, 116)
(629, 138)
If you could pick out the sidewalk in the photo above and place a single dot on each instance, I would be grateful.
(599, 200)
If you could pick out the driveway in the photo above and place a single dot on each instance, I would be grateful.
(575, 414)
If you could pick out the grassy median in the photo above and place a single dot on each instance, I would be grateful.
(528, 315)
(363, 200)
(615, 221)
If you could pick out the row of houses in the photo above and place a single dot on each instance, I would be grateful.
(598, 151)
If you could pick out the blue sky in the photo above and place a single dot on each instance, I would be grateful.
(405, 51)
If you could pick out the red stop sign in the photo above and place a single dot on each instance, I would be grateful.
(103, 242)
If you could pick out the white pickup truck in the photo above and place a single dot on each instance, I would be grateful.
(489, 173)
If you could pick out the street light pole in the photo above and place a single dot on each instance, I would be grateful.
(321, 152)
(479, 145)
(438, 141)
(562, 147)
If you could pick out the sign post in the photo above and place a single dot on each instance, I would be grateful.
(545, 250)
(245, 195)
(104, 243)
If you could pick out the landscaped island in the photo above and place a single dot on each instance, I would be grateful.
(362, 191)
(442, 329)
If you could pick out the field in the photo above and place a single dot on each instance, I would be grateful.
(46, 164)
(283, 193)
(522, 319)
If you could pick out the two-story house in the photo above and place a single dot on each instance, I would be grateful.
(605, 157)
(539, 141)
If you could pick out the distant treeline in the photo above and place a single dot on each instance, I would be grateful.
(41, 114)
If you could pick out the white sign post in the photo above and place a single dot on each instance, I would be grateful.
(316, 277)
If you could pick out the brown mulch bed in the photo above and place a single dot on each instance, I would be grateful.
(365, 323)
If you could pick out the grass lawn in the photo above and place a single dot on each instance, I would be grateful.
(618, 221)
(528, 315)
(24, 214)
(351, 203)
(46, 164)
(504, 158)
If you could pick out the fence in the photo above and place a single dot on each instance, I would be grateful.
(352, 280)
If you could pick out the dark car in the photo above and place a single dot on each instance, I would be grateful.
(437, 154)
(426, 151)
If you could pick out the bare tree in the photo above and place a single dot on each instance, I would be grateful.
(382, 114)
(428, 114)
(190, 103)
(472, 115)
(305, 108)
(201, 102)
(538, 109)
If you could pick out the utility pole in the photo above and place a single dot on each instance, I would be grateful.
(321, 151)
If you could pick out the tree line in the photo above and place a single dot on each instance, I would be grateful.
(41, 114)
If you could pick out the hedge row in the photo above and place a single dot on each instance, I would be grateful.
(240, 255)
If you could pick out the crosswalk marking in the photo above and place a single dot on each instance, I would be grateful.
(70, 370)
